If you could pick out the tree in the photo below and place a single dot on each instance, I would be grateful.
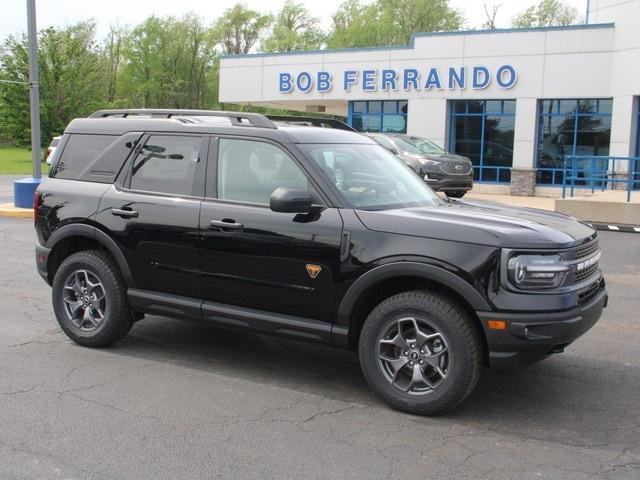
(239, 28)
(546, 14)
(355, 24)
(167, 63)
(491, 13)
(72, 80)
(113, 57)
(401, 18)
(294, 29)
(390, 22)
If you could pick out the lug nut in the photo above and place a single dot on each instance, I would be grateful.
(406, 354)
(421, 362)
(411, 363)
(421, 351)
(413, 345)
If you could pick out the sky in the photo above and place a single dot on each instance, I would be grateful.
(59, 13)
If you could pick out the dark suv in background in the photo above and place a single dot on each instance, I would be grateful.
(443, 171)
(315, 233)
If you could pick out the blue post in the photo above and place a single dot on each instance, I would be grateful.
(564, 177)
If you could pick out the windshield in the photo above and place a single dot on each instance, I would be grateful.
(418, 145)
(368, 177)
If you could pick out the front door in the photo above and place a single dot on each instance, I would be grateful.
(153, 215)
(255, 258)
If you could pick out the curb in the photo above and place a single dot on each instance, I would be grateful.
(8, 210)
(616, 227)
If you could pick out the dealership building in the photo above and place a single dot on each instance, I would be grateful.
(516, 101)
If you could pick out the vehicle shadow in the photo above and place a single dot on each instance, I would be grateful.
(567, 399)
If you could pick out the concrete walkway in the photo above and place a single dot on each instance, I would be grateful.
(542, 203)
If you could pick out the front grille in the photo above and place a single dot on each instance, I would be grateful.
(457, 168)
(586, 273)
(588, 293)
(581, 259)
(586, 250)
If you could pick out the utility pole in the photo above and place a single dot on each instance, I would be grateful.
(34, 89)
(24, 189)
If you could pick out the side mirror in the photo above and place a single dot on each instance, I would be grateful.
(291, 200)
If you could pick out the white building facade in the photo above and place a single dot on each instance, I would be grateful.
(516, 102)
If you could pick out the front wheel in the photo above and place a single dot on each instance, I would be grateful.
(420, 352)
(89, 299)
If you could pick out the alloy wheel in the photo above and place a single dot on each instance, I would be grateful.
(84, 299)
(414, 356)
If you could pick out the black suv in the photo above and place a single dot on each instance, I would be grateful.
(443, 171)
(316, 233)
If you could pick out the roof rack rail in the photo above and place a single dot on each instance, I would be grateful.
(236, 118)
(311, 121)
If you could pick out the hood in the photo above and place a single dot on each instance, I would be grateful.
(483, 223)
(442, 157)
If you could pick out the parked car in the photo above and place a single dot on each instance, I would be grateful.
(315, 233)
(443, 172)
(51, 149)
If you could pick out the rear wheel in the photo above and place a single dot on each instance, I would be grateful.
(455, 193)
(89, 299)
(420, 352)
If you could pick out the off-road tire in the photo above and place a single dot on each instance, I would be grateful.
(464, 345)
(117, 316)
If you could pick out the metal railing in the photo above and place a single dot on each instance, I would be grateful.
(600, 173)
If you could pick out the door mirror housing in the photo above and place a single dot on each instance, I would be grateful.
(291, 200)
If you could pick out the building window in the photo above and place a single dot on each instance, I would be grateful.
(379, 116)
(482, 130)
(570, 127)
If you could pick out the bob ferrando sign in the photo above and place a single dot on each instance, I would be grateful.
(406, 79)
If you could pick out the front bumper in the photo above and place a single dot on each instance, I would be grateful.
(530, 337)
(439, 181)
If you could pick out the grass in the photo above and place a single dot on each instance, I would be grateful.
(17, 161)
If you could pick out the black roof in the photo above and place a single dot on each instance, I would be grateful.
(118, 122)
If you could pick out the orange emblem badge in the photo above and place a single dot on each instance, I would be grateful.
(313, 270)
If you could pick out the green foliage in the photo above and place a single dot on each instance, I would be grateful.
(72, 80)
(294, 29)
(173, 62)
(239, 29)
(390, 22)
(168, 64)
(546, 14)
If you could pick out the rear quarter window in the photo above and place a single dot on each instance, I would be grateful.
(95, 158)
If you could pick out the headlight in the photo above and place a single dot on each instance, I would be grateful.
(537, 271)
(428, 162)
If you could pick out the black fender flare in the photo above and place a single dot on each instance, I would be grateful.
(397, 269)
(84, 230)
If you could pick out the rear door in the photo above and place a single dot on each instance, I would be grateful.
(153, 213)
(253, 257)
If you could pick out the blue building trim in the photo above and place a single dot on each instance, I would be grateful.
(480, 168)
(411, 44)
(558, 173)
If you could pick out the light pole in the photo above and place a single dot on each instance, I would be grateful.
(23, 190)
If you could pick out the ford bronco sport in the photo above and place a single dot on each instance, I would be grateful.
(315, 233)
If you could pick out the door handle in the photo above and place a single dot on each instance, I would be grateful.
(120, 212)
(226, 224)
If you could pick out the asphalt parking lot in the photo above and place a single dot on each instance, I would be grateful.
(186, 400)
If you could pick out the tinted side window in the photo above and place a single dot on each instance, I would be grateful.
(167, 164)
(79, 152)
(249, 171)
